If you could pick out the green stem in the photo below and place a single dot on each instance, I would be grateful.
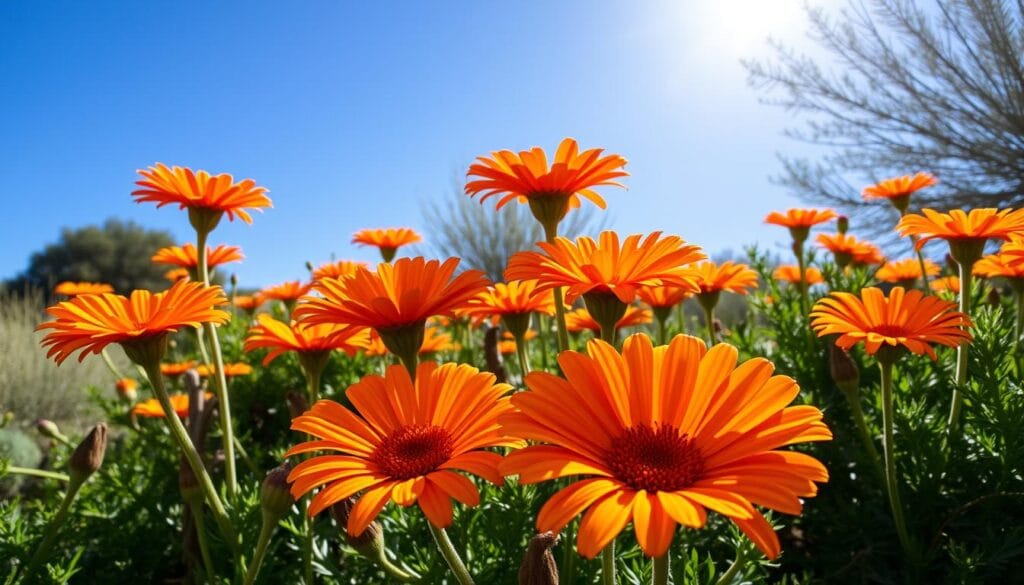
(195, 461)
(46, 544)
(709, 318)
(550, 234)
(200, 528)
(393, 570)
(961, 350)
(659, 570)
(924, 268)
(444, 544)
(307, 544)
(221, 385)
(662, 330)
(865, 435)
(266, 530)
(610, 335)
(1018, 297)
(246, 459)
(542, 329)
(524, 363)
(734, 568)
(110, 364)
(798, 249)
(567, 572)
(205, 355)
(34, 472)
(892, 485)
(608, 564)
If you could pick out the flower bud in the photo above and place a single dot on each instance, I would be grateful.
(371, 542)
(539, 567)
(88, 455)
(234, 279)
(275, 499)
(297, 404)
(843, 370)
(842, 224)
(126, 389)
(48, 428)
(309, 266)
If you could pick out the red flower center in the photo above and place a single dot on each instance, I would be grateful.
(890, 330)
(655, 459)
(412, 451)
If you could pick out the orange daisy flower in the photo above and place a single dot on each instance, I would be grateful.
(387, 240)
(847, 249)
(999, 265)
(337, 269)
(898, 190)
(946, 284)
(287, 292)
(176, 274)
(512, 303)
(248, 302)
(177, 368)
(905, 272)
(662, 434)
(230, 370)
(187, 257)
(434, 340)
(791, 273)
(551, 192)
(303, 338)
(200, 190)
(151, 408)
(729, 276)
(507, 346)
(88, 323)
(966, 232)
(405, 442)
(800, 221)
(73, 289)
(908, 319)
(607, 266)
(580, 320)
(666, 297)
(126, 388)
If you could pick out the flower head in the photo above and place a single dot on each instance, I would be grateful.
(91, 322)
(848, 249)
(907, 319)
(999, 265)
(151, 408)
(580, 319)
(946, 284)
(966, 232)
(791, 273)
(230, 370)
(405, 443)
(279, 338)
(177, 368)
(387, 240)
(660, 435)
(728, 276)
(73, 289)
(176, 274)
(248, 302)
(200, 190)
(898, 190)
(287, 292)
(126, 388)
(905, 271)
(515, 297)
(337, 269)
(187, 257)
(664, 297)
(800, 221)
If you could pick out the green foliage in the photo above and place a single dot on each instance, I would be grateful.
(116, 253)
(16, 448)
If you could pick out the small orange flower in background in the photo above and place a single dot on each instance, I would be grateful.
(405, 443)
(664, 297)
(177, 368)
(247, 302)
(999, 265)
(230, 370)
(126, 388)
(73, 289)
(516, 297)
(176, 274)
(279, 338)
(580, 320)
(387, 240)
(200, 190)
(728, 276)
(287, 292)
(607, 266)
(187, 257)
(337, 269)
(507, 344)
(905, 271)
(908, 319)
(151, 408)
(946, 284)
(552, 191)
(966, 232)
(88, 323)
(848, 249)
(791, 274)
(660, 435)
(898, 190)
(434, 340)
(800, 221)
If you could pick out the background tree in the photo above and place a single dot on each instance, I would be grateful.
(117, 253)
(485, 239)
(910, 86)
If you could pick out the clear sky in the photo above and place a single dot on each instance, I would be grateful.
(355, 113)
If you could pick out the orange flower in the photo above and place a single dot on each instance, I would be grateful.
(302, 338)
(516, 297)
(126, 388)
(216, 193)
(73, 289)
(606, 266)
(527, 178)
(404, 443)
(907, 319)
(847, 249)
(230, 370)
(664, 297)
(434, 340)
(905, 271)
(177, 368)
(999, 265)
(151, 408)
(248, 302)
(91, 322)
(387, 240)
(800, 221)
(507, 346)
(187, 257)
(580, 319)
(946, 284)
(729, 276)
(791, 274)
(661, 434)
(965, 232)
(176, 274)
(337, 269)
(287, 292)
(898, 190)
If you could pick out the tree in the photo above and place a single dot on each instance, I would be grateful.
(118, 253)
(486, 238)
(910, 88)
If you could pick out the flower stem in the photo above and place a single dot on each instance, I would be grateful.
(313, 388)
(266, 530)
(798, 249)
(608, 564)
(890, 460)
(110, 364)
(550, 233)
(221, 385)
(200, 528)
(734, 568)
(34, 472)
(659, 570)
(524, 362)
(1018, 297)
(46, 544)
(920, 260)
(393, 570)
(567, 571)
(865, 435)
(961, 350)
(444, 544)
(709, 318)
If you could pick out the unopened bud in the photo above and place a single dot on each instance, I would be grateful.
(309, 266)
(994, 298)
(371, 542)
(275, 499)
(234, 279)
(88, 455)
(844, 370)
(48, 428)
(539, 567)
(842, 224)
(297, 405)
(126, 389)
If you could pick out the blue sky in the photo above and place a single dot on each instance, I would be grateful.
(354, 114)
